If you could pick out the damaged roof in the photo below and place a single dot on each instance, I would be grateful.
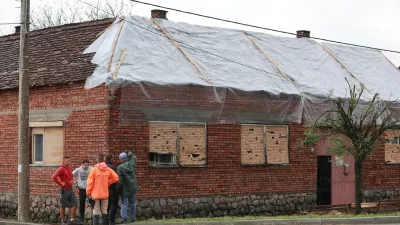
(55, 54)
(162, 52)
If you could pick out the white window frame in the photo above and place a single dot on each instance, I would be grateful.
(37, 131)
(38, 128)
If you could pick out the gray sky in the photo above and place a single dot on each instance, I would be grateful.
(364, 22)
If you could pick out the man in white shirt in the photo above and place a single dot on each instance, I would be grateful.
(81, 174)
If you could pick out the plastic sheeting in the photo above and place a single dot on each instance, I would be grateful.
(246, 77)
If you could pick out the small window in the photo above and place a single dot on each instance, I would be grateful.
(392, 146)
(177, 144)
(38, 146)
(47, 145)
(264, 145)
(395, 141)
(162, 159)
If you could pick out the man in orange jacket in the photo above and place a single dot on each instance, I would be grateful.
(100, 177)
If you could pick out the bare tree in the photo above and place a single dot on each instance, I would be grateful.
(361, 122)
(61, 12)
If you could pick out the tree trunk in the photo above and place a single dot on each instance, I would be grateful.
(359, 178)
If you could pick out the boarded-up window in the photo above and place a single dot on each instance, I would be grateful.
(192, 144)
(252, 144)
(172, 141)
(277, 145)
(47, 145)
(392, 146)
(264, 145)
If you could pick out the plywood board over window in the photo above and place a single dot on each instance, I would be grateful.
(192, 144)
(252, 145)
(163, 138)
(53, 145)
(392, 146)
(277, 145)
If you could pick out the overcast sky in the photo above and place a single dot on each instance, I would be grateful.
(364, 22)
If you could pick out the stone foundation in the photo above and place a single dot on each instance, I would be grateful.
(373, 195)
(232, 205)
(46, 209)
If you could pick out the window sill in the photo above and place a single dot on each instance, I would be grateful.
(392, 163)
(165, 166)
(43, 165)
(266, 165)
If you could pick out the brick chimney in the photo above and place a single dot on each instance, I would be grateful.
(158, 13)
(17, 29)
(303, 34)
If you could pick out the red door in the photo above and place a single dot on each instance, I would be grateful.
(342, 175)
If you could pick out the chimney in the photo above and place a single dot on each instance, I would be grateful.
(17, 29)
(303, 34)
(158, 13)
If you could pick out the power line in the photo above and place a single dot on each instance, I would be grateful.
(264, 28)
(10, 23)
(191, 47)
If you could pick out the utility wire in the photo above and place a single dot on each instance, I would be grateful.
(10, 23)
(191, 47)
(264, 28)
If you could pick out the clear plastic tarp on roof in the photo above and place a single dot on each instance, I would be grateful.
(238, 76)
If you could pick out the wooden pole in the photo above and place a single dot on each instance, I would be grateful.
(23, 117)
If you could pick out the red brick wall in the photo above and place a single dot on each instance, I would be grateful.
(89, 131)
(224, 174)
(84, 131)
(8, 152)
(378, 174)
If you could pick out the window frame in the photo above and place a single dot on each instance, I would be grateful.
(391, 142)
(177, 149)
(38, 128)
(37, 131)
(265, 145)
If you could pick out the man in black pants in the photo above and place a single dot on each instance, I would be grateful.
(113, 194)
(81, 174)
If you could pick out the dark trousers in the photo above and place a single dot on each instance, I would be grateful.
(82, 201)
(112, 203)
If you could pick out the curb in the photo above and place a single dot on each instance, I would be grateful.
(10, 222)
(317, 221)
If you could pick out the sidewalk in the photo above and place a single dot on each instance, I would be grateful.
(321, 221)
(317, 221)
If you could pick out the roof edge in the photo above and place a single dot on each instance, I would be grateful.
(69, 26)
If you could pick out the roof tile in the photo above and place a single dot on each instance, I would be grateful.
(55, 54)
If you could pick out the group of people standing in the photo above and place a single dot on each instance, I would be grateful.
(102, 185)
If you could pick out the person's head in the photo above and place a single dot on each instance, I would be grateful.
(123, 157)
(130, 154)
(66, 161)
(85, 164)
(109, 157)
(100, 158)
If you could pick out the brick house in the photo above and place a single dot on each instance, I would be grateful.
(234, 168)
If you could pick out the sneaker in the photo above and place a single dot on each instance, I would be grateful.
(64, 222)
(76, 222)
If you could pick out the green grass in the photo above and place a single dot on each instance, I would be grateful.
(270, 217)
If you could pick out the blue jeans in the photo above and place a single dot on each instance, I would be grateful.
(124, 207)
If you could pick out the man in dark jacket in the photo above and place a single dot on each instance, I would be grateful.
(126, 172)
(112, 189)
